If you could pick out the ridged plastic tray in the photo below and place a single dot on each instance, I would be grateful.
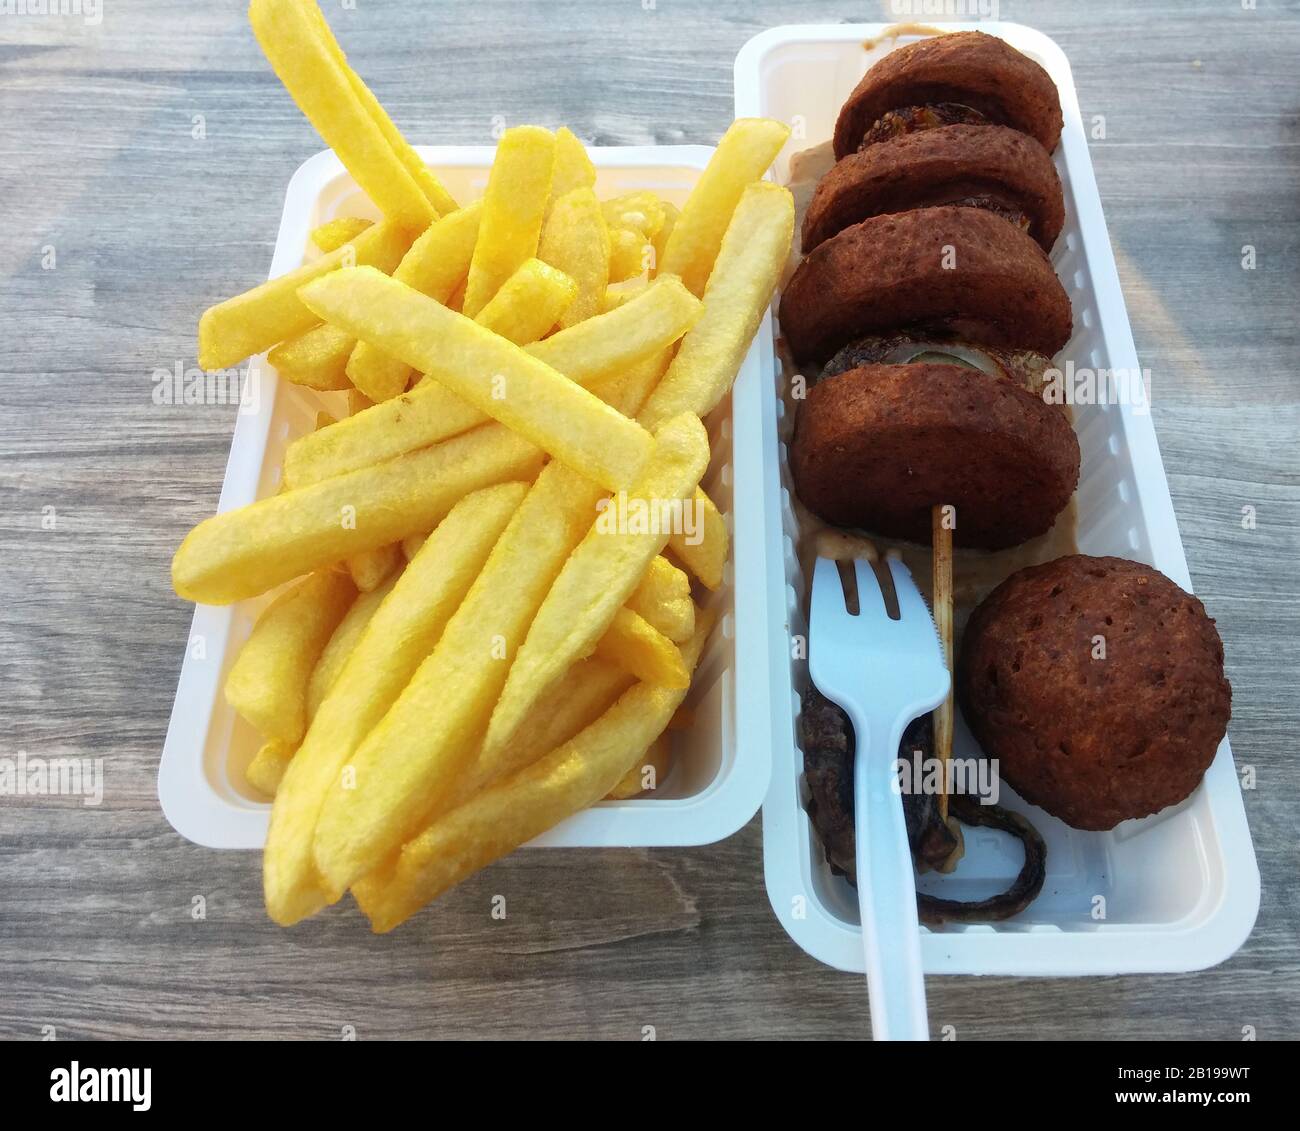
(1180, 889)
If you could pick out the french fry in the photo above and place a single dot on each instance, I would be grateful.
(519, 185)
(617, 294)
(313, 72)
(573, 168)
(641, 211)
(429, 184)
(317, 359)
(749, 265)
(529, 303)
(631, 255)
(671, 213)
(591, 353)
(646, 772)
(514, 810)
(343, 642)
(411, 545)
(256, 320)
(400, 635)
(600, 575)
(267, 684)
(370, 568)
(324, 420)
(635, 645)
(435, 265)
(266, 770)
(582, 695)
(335, 233)
(706, 556)
(663, 597)
(358, 402)
(494, 375)
(575, 240)
(244, 552)
(746, 150)
(409, 764)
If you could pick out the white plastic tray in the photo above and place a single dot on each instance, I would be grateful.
(1180, 888)
(722, 764)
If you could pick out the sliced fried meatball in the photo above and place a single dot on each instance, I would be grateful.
(877, 447)
(969, 68)
(949, 269)
(986, 166)
(1098, 685)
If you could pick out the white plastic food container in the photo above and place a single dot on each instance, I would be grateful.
(722, 763)
(1180, 889)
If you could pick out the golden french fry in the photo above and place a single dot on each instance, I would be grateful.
(646, 772)
(410, 763)
(575, 240)
(635, 645)
(317, 359)
(582, 695)
(266, 770)
(664, 598)
(519, 185)
(746, 150)
(244, 552)
(671, 214)
(435, 265)
(315, 74)
(754, 252)
(573, 168)
(494, 375)
(705, 554)
(370, 568)
(514, 810)
(439, 197)
(631, 255)
(529, 303)
(256, 320)
(642, 211)
(601, 574)
(268, 682)
(342, 643)
(592, 353)
(335, 233)
(324, 420)
(618, 294)
(358, 402)
(400, 635)
(411, 544)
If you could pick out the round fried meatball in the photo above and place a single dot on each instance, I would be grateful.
(1098, 685)
(878, 446)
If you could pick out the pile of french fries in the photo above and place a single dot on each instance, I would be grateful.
(463, 654)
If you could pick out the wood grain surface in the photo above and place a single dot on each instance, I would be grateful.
(147, 224)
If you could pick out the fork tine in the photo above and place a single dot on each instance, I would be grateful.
(910, 602)
(871, 598)
(827, 593)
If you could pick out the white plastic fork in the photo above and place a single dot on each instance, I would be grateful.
(883, 673)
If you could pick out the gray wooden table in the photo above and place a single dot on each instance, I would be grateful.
(121, 219)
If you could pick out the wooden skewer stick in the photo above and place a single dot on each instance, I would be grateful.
(942, 520)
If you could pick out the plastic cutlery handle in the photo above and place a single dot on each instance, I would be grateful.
(891, 934)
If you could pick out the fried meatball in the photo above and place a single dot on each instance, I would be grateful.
(969, 68)
(1098, 685)
(949, 269)
(879, 446)
(989, 167)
